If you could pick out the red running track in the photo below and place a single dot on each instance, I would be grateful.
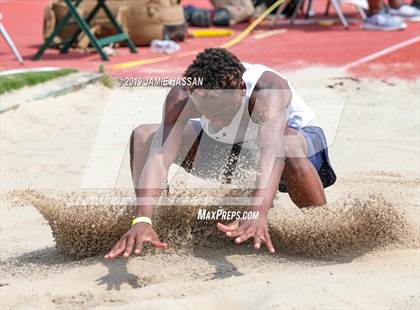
(299, 47)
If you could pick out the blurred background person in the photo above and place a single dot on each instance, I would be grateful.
(392, 17)
(416, 4)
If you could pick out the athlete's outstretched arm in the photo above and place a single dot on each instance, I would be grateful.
(270, 101)
(149, 184)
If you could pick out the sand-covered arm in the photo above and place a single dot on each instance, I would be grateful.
(268, 105)
(151, 180)
(165, 145)
(271, 100)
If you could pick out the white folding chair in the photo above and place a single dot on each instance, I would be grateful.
(360, 5)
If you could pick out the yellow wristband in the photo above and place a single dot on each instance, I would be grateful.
(141, 219)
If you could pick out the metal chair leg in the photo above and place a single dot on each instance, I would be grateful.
(79, 30)
(298, 6)
(9, 42)
(361, 12)
(56, 31)
(82, 24)
(279, 11)
(327, 9)
(120, 30)
(309, 9)
(340, 14)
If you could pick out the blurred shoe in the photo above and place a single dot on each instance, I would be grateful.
(383, 22)
(406, 12)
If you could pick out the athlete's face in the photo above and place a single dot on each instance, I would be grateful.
(218, 106)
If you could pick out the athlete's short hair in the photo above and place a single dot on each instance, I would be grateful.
(218, 68)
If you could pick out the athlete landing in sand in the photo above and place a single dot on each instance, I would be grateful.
(238, 104)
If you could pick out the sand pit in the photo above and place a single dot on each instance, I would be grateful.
(353, 226)
(359, 252)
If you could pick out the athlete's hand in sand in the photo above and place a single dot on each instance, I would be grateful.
(242, 230)
(134, 239)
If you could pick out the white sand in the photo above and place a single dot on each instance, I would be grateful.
(47, 145)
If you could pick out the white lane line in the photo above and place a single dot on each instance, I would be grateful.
(381, 53)
(265, 34)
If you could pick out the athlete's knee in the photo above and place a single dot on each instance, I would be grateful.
(141, 133)
(295, 146)
(139, 136)
(295, 165)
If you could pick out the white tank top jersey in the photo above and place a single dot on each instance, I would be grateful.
(299, 114)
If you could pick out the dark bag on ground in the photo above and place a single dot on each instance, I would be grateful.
(205, 18)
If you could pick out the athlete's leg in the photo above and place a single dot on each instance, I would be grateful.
(302, 180)
(141, 140)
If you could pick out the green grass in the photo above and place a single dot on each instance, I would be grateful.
(16, 81)
(105, 80)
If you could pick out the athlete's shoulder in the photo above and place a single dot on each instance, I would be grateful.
(177, 94)
(264, 76)
(256, 67)
(271, 80)
(177, 102)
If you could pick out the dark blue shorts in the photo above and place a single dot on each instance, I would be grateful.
(212, 155)
(317, 154)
